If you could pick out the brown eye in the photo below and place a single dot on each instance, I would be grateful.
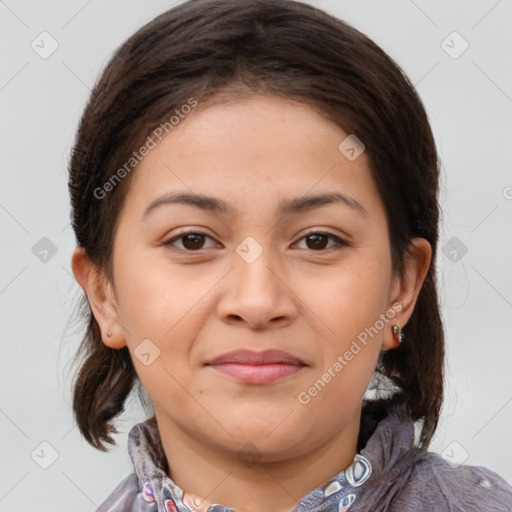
(317, 241)
(191, 241)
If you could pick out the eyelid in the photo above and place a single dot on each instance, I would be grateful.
(340, 241)
(187, 231)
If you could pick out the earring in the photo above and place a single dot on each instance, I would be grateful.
(397, 330)
(109, 334)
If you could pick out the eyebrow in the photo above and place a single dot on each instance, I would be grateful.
(285, 206)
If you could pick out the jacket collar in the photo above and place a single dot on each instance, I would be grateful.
(385, 451)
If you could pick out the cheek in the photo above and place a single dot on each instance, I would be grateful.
(351, 307)
(165, 308)
(153, 297)
(354, 297)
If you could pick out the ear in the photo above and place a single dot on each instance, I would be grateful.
(405, 290)
(99, 293)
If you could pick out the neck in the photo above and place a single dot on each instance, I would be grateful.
(221, 477)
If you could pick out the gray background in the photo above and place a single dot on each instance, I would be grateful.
(469, 102)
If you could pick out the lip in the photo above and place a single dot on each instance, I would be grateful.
(257, 358)
(257, 367)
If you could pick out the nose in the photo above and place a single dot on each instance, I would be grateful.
(258, 293)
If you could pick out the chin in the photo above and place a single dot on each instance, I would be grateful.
(271, 437)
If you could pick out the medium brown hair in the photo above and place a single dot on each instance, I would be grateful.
(211, 49)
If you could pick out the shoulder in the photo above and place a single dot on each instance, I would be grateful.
(125, 497)
(434, 484)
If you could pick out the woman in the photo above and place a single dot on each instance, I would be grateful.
(254, 192)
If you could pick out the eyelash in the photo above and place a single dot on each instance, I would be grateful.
(341, 243)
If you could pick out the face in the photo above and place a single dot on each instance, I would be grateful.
(309, 280)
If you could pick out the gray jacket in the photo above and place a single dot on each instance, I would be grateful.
(389, 474)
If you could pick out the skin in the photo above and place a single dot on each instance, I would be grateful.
(305, 296)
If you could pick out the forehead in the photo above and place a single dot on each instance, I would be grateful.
(261, 148)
